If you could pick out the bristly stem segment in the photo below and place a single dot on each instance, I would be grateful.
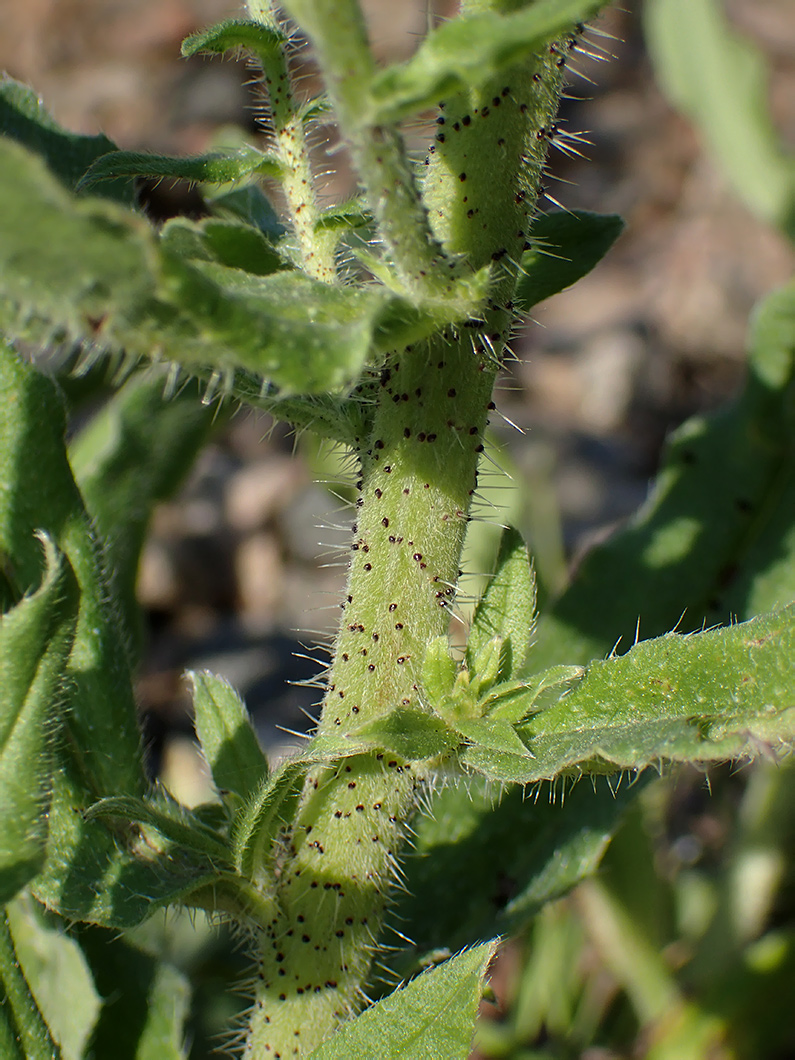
(289, 133)
(340, 857)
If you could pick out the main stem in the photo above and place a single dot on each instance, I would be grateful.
(340, 858)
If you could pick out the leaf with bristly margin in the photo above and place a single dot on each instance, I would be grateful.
(258, 822)
(39, 493)
(486, 858)
(95, 270)
(50, 958)
(495, 750)
(178, 825)
(68, 155)
(408, 733)
(237, 246)
(133, 453)
(64, 260)
(715, 540)
(226, 736)
(706, 697)
(565, 246)
(235, 33)
(465, 53)
(35, 641)
(106, 872)
(432, 1017)
(146, 1001)
(355, 213)
(507, 607)
(215, 167)
(718, 79)
(514, 701)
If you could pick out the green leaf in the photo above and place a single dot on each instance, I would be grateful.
(114, 877)
(259, 821)
(132, 454)
(507, 607)
(248, 204)
(716, 538)
(410, 734)
(237, 246)
(233, 34)
(23, 1032)
(492, 662)
(565, 247)
(49, 959)
(177, 825)
(487, 859)
(514, 701)
(40, 494)
(432, 1017)
(495, 750)
(35, 640)
(465, 53)
(438, 670)
(706, 697)
(64, 260)
(226, 736)
(718, 79)
(146, 1001)
(68, 155)
(216, 167)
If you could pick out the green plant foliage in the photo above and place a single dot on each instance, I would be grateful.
(133, 453)
(145, 1001)
(465, 54)
(565, 246)
(263, 40)
(68, 155)
(23, 1032)
(35, 641)
(50, 959)
(726, 693)
(714, 541)
(226, 736)
(216, 167)
(433, 1016)
(487, 859)
(718, 79)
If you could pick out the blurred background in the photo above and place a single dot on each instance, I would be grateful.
(242, 572)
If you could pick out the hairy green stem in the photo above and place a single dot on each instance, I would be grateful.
(21, 1020)
(340, 857)
(339, 35)
(289, 133)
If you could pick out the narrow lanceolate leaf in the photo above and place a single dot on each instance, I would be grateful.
(35, 640)
(39, 493)
(23, 1032)
(565, 246)
(716, 538)
(705, 697)
(238, 246)
(258, 823)
(133, 453)
(68, 155)
(234, 34)
(409, 733)
(176, 824)
(109, 873)
(719, 80)
(216, 167)
(434, 1016)
(226, 736)
(507, 608)
(466, 53)
(486, 859)
(495, 750)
